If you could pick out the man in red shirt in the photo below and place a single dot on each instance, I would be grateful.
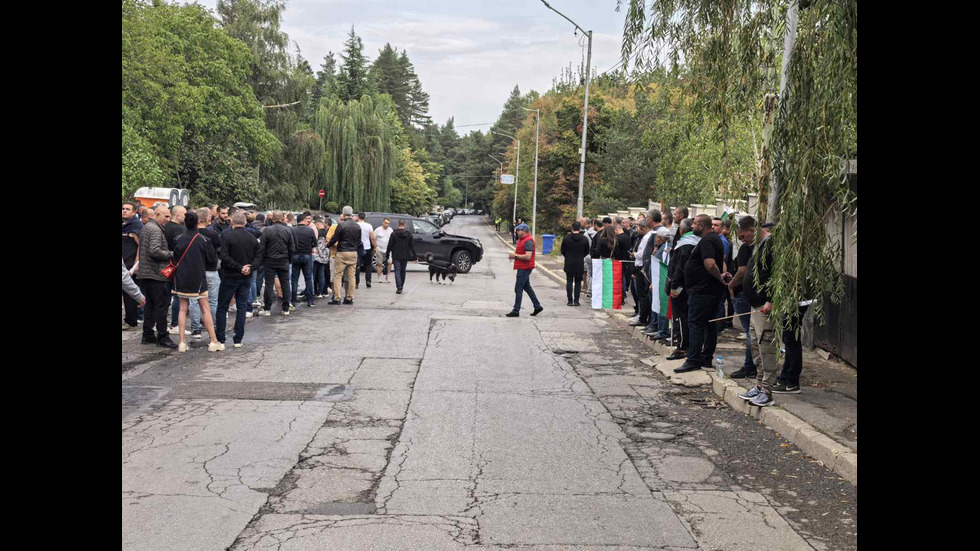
(523, 257)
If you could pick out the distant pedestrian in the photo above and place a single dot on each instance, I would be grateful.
(574, 249)
(321, 258)
(173, 229)
(706, 285)
(381, 237)
(523, 257)
(304, 244)
(211, 274)
(402, 248)
(194, 254)
(131, 227)
(366, 255)
(154, 256)
(347, 237)
(641, 276)
(239, 249)
(221, 223)
(275, 252)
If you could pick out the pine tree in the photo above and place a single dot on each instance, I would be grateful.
(326, 83)
(352, 82)
(388, 76)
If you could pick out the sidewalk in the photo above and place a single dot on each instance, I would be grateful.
(821, 420)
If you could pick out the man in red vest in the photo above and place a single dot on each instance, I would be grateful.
(523, 257)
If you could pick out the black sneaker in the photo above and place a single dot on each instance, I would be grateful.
(782, 388)
(576, 303)
(570, 303)
(348, 301)
(744, 374)
(677, 355)
(514, 314)
(166, 343)
(398, 291)
(148, 340)
(368, 284)
(333, 301)
(537, 310)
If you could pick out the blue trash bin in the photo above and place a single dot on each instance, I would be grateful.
(547, 243)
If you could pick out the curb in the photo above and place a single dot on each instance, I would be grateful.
(836, 457)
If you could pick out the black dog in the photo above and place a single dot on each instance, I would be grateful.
(441, 268)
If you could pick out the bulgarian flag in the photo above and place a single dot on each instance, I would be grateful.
(658, 287)
(728, 212)
(607, 284)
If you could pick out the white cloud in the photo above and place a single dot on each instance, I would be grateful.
(468, 55)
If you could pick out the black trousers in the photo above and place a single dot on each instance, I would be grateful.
(271, 272)
(679, 309)
(364, 261)
(132, 309)
(573, 285)
(793, 363)
(641, 286)
(627, 278)
(155, 310)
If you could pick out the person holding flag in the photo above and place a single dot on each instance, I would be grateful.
(607, 280)
(523, 257)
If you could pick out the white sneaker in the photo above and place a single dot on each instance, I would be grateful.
(256, 304)
(175, 330)
(265, 313)
(216, 347)
(182, 347)
(238, 345)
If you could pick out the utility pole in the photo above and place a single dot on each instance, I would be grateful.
(789, 39)
(534, 207)
(585, 111)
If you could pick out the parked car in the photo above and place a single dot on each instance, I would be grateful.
(462, 251)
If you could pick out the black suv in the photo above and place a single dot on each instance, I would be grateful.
(462, 251)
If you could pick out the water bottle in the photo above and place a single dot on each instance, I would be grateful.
(720, 364)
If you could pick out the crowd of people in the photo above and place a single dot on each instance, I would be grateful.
(206, 263)
(708, 284)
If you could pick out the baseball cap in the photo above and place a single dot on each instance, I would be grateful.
(663, 232)
(522, 227)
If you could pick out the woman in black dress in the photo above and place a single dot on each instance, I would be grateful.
(194, 253)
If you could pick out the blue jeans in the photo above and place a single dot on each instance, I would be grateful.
(195, 310)
(704, 335)
(741, 307)
(253, 290)
(304, 263)
(524, 284)
(239, 289)
(319, 278)
(400, 273)
(174, 305)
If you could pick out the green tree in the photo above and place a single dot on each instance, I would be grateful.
(352, 81)
(190, 117)
(325, 85)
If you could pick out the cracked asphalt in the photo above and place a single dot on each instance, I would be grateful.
(427, 420)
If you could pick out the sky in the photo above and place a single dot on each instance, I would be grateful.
(468, 54)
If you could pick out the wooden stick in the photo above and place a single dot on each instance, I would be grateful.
(735, 316)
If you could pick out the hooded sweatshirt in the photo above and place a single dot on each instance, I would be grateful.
(401, 244)
(574, 248)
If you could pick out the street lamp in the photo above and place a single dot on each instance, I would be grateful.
(585, 112)
(534, 207)
(517, 176)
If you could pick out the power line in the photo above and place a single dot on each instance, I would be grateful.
(480, 124)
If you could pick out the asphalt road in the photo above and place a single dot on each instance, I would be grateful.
(427, 420)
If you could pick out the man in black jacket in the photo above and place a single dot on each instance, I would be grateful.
(131, 226)
(220, 222)
(574, 249)
(173, 229)
(239, 249)
(706, 283)
(304, 243)
(401, 244)
(347, 237)
(275, 250)
(683, 247)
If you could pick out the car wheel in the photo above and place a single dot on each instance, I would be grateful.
(463, 261)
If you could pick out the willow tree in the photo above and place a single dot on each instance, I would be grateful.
(730, 49)
(361, 150)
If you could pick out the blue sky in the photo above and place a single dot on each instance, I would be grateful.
(468, 54)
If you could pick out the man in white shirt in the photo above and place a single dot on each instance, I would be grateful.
(369, 244)
(381, 236)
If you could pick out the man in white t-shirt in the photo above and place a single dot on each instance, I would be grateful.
(369, 244)
(381, 236)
